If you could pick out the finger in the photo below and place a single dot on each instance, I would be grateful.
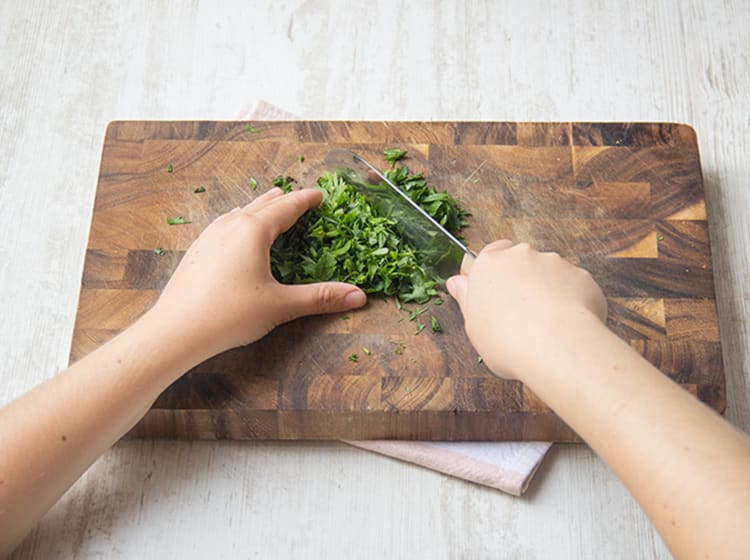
(263, 199)
(281, 213)
(466, 263)
(225, 214)
(323, 297)
(457, 286)
(499, 245)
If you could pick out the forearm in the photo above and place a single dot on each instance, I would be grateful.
(687, 468)
(51, 435)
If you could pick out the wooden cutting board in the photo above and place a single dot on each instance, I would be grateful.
(625, 201)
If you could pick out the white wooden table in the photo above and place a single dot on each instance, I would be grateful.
(68, 70)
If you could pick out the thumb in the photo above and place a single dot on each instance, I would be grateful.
(323, 297)
(457, 286)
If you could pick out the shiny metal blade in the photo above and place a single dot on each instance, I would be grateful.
(437, 249)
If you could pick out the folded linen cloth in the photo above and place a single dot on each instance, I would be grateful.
(506, 466)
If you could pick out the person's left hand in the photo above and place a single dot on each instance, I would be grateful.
(223, 294)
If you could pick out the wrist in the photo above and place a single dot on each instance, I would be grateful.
(558, 344)
(171, 342)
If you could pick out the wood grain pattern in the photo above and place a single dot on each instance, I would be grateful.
(623, 200)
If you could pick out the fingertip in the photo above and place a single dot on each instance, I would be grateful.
(354, 299)
(500, 244)
(456, 286)
(466, 263)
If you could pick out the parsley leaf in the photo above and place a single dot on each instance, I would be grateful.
(392, 155)
(436, 325)
(284, 183)
(353, 358)
(200, 189)
(169, 168)
(253, 183)
(251, 128)
(159, 251)
(177, 220)
(416, 313)
(420, 328)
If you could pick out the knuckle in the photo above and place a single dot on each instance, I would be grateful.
(326, 296)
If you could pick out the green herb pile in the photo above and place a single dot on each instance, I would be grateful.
(345, 239)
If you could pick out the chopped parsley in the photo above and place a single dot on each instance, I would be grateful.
(400, 347)
(416, 313)
(253, 183)
(159, 251)
(169, 168)
(353, 357)
(345, 239)
(367, 351)
(251, 128)
(436, 325)
(392, 155)
(438, 301)
(284, 183)
(420, 328)
(301, 158)
(200, 189)
(177, 220)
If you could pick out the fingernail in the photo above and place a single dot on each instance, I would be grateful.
(355, 298)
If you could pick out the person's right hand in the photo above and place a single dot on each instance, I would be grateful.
(514, 299)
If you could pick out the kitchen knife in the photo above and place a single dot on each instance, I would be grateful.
(437, 249)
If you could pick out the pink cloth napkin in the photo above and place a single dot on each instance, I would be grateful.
(507, 466)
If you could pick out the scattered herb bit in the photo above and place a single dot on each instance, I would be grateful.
(400, 348)
(420, 328)
(200, 189)
(400, 319)
(480, 359)
(367, 351)
(284, 183)
(159, 251)
(251, 128)
(398, 304)
(177, 220)
(438, 301)
(169, 168)
(345, 317)
(353, 358)
(253, 183)
(660, 238)
(347, 240)
(475, 180)
(408, 389)
(301, 158)
(436, 325)
(392, 155)
(416, 313)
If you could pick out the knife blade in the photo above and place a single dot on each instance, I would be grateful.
(437, 249)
